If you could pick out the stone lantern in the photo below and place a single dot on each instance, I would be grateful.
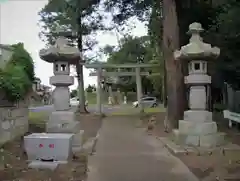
(62, 120)
(197, 128)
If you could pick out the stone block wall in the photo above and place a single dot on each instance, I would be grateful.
(13, 122)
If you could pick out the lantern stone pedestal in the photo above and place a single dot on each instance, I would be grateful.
(197, 129)
(62, 120)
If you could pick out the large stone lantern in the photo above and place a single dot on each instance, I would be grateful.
(197, 128)
(62, 120)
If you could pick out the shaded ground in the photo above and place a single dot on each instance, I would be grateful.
(90, 124)
(233, 134)
(13, 165)
(210, 167)
(127, 153)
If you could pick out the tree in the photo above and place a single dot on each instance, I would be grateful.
(143, 9)
(225, 33)
(155, 32)
(132, 50)
(75, 16)
(17, 76)
(176, 16)
(174, 68)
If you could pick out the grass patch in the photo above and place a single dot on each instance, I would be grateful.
(125, 113)
(37, 117)
(37, 121)
(92, 97)
(135, 111)
(154, 110)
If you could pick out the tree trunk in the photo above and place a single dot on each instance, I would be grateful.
(175, 86)
(81, 92)
(164, 84)
(79, 66)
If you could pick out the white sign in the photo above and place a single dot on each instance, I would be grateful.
(231, 115)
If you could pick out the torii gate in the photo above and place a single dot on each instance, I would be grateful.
(99, 73)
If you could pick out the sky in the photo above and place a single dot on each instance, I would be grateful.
(19, 23)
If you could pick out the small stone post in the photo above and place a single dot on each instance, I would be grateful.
(139, 88)
(62, 120)
(197, 128)
(125, 100)
(119, 95)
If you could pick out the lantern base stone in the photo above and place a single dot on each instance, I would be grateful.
(64, 122)
(198, 116)
(205, 141)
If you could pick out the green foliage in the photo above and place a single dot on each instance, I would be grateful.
(90, 89)
(74, 93)
(92, 98)
(219, 19)
(122, 10)
(155, 26)
(17, 77)
(225, 33)
(133, 50)
(75, 16)
(22, 58)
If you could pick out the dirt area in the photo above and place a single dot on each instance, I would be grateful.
(13, 165)
(90, 124)
(209, 167)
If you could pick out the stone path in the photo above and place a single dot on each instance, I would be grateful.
(127, 153)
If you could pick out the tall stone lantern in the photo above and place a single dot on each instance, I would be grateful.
(197, 128)
(62, 120)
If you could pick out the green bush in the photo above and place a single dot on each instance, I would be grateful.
(37, 122)
(219, 107)
(17, 77)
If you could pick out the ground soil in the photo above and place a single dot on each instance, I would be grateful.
(90, 124)
(209, 167)
(13, 164)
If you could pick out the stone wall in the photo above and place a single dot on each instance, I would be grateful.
(13, 122)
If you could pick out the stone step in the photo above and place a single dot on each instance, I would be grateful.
(197, 128)
(207, 140)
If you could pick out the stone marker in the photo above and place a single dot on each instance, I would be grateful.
(125, 100)
(62, 120)
(197, 128)
(46, 150)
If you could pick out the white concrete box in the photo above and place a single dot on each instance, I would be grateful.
(48, 146)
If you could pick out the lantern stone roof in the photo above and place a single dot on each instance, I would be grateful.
(6, 47)
(60, 51)
(196, 49)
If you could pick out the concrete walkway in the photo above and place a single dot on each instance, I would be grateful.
(127, 153)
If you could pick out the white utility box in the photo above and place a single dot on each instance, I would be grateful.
(48, 147)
